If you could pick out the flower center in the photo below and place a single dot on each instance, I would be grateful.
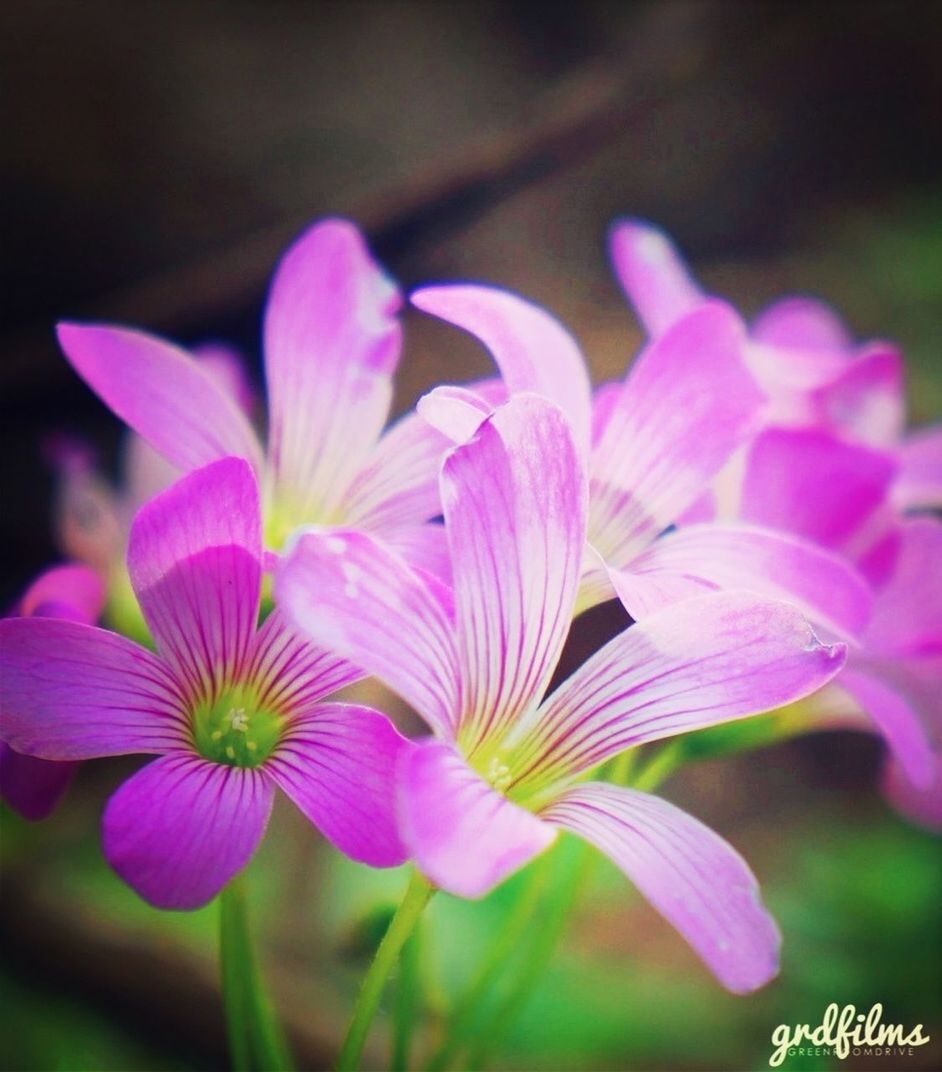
(234, 730)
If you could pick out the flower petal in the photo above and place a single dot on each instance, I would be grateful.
(338, 764)
(456, 412)
(779, 566)
(71, 591)
(161, 392)
(463, 834)
(72, 691)
(514, 502)
(32, 787)
(181, 827)
(866, 402)
(425, 548)
(695, 879)
(533, 351)
(702, 662)
(687, 404)
(920, 479)
(921, 806)
(907, 614)
(812, 484)
(194, 556)
(802, 323)
(355, 596)
(332, 341)
(652, 274)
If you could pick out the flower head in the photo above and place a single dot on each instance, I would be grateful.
(33, 787)
(504, 771)
(231, 710)
(332, 340)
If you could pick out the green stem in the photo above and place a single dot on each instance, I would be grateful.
(660, 766)
(401, 926)
(254, 1038)
(492, 967)
(408, 990)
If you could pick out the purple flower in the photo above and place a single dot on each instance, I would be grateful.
(803, 357)
(31, 786)
(652, 444)
(504, 770)
(231, 710)
(332, 341)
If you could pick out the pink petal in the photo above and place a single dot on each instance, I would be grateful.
(464, 835)
(802, 323)
(652, 274)
(332, 341)
(194, 556)
(514, 503)
(533, 351)
(695, 879)
(866, 402)
(812, 484)
(74, 592)
(425, 548)
(338, 764)
(88, 517)
(687, 404)
(32, 787)
(907, 615)
(455, 412)
(683, 563)
(398, 484)
(353, 595)
(920, 479)
(71, 691)
(702, 662)
(227, 367)
(161, 392)
(921, 806)
(181, 827)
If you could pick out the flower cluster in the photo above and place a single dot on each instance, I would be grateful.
(747, 493)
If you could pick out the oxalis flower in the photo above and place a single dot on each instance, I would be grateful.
(504, 771)
(332, 341)
(651, 444)
(33, 787)
(231, 710)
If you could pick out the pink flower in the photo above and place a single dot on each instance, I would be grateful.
(803, 357)
(504, 770)
(31, 786)
(231, 710)
(652, 444)
(332, 341)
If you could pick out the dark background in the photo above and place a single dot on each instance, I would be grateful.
(157, 156)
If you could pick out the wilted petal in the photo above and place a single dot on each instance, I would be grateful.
(332, 341)
(919, 483)
(194, 556)
(463, 834)
(162, 393)
(820, 583)
(338, 764)
(179, 829)
(32, 787)
(652, 274)
(349, 593)
(514, 502)
(687, 404)
(71, 691)
(533, 351)
(696, 880)
(702, 662)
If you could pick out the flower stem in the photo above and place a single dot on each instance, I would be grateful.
(254, 1038)
(401, 926)
(407, 1002)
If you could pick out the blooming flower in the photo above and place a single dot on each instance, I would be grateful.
(803, 357)
(332, 340)
(231, 710)
(504, 770)
(31, 786)
(652, 444)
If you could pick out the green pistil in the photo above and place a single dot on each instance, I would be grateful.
(234, 730)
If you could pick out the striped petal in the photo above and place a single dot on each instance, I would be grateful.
(338, 764)
(182, 827)
(696, 880)
(514, 502)
(463, 834)
(702, 662)
(194, 555)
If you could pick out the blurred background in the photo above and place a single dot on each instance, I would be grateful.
(158, 155)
